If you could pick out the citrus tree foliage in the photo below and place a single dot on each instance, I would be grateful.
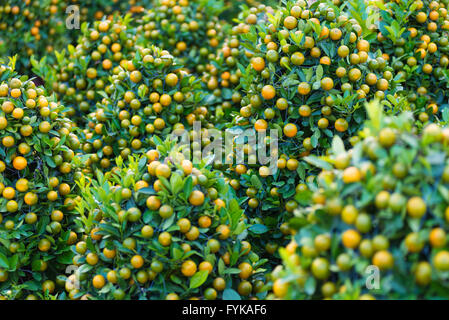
(153, 99)
(381, 205)
(80, 77)
(190, 30)
(414, 36)
(36, 185)
(162, 228)
(304, 72)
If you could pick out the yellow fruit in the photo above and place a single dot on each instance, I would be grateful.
(416, 207)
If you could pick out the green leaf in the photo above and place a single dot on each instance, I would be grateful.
(176, 183)
(230, 294)
(235, 213)
(148, 191)
(256, 182)
(198, 279)
(309, 74)
(240, 228)
(338, 146)
(65, 258)
(188, 186)
(177, 253)
(317, 162)
(319, 72)
(221, 267)
(13, 262)
(258, 228)
(175, 279)
(374, 110)
(4, 261)
(142, 163)
(233, 270)
(310, 286)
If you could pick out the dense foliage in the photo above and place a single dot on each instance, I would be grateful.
(386, 202)
(111, 186)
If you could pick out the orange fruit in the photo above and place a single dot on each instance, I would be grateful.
(153, 203)
(260, 125)
(188, 268)
(258, 63)
(103, 26)
(416, 207)
(22, 185)
(30, 198)
(304, 88)
(421, 17)
(187, 166)
(441, 260)
(109, 254)
(205, 265)
(184, 225)
(383, 260)
(16, 93)
(327, 84)
(351, 239)
(290, 22)
(437, 238)
(196, 198)
(335, 34)
(351, 175)
(8, 141)
(204, 222)
(219, 204)
(19, 163)
(268, 92)
(18, 113)
(163, 170)
(224, 231)
(9, 193)
(341, 125)
(363, 45)
(137, 262)
(165, 239)
(98, 281)
(290, 130)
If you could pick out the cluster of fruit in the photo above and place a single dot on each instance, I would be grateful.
(381, 206)
(36, 28)
(162, 228)
(308, 72)
(81, 74)
(414, 37)
(190, 30)
(38, 195)
(30, 28)
(152, 100)
(92, 181)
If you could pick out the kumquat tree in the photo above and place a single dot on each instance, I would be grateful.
(224, 150)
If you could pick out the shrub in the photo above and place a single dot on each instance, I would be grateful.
(36, 186)
(153, 99)
(30, 28)
(309, 72)
(382, 204)
(80, 77)
(163, 228)
(414, 37)
(190, 30)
